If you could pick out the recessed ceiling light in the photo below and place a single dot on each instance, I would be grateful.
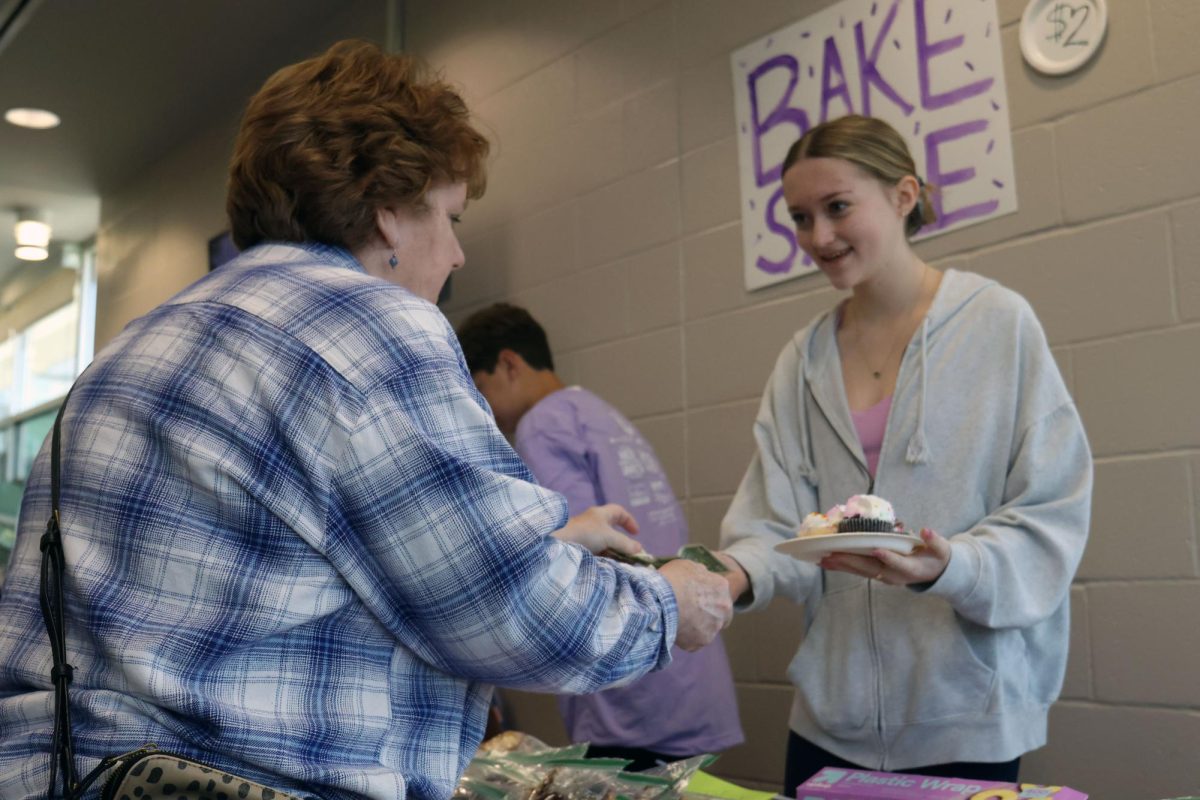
(36, 118)
(32, 233)
(32, 253)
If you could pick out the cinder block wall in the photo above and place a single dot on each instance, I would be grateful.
(154, 229)
(613, 215)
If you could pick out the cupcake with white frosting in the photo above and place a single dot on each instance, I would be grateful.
(866, 513)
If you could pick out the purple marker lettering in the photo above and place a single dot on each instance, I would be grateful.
(991, 144)
(829, 90)
(782, 113)
(868, 70)
(944, 180)
(926, 52)
(784, 231)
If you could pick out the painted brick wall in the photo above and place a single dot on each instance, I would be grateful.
(613, 215)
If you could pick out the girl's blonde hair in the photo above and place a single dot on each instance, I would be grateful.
(873, 146)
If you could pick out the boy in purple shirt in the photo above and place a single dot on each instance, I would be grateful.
(580, 446)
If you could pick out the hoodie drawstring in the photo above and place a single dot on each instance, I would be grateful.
(918, 449)
(805, 466)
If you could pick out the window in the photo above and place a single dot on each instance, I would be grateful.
(51, 349)
(29, 434)
(37, 367)
(8, 378)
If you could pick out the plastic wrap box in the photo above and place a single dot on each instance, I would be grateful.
(855, 784)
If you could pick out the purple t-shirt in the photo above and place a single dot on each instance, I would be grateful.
(580, 446)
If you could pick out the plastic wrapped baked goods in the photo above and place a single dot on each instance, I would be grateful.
(515, 766)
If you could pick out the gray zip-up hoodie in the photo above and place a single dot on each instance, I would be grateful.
(983, 445)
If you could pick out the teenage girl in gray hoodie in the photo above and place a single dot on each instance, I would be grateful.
(938, 392)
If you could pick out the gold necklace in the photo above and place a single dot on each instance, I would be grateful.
(877, 372)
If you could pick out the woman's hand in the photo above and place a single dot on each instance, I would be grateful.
(702, 597)
(596, 529)
(924, 565)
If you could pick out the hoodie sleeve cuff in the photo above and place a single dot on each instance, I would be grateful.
(755, 565)
(960, 577)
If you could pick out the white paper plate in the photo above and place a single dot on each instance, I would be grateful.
(814, 548)
(1059, 37)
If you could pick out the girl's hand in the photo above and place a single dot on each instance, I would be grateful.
(739, 581)
(924, 565)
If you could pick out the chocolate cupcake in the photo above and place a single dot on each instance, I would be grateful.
(866, 513)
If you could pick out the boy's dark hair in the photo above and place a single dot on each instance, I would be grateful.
(499, 326)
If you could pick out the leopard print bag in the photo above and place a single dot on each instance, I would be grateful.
(150, 774)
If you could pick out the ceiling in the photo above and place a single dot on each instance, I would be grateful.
(131, 79)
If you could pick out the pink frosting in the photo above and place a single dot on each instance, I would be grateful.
(870, 506)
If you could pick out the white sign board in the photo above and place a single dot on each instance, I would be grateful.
(931, 68)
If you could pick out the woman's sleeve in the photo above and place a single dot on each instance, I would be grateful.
(1015, 567)
(435, 525)
(775, 493)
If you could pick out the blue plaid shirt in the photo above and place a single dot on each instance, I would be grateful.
(299, 548)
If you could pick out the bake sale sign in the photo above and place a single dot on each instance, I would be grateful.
(931, 68)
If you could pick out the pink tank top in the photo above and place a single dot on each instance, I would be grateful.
(870, 425)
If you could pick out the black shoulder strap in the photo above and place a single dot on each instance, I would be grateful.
(62, 753)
